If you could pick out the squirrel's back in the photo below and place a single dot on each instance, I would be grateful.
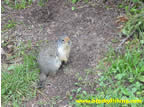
(52, 55)
(48, 60)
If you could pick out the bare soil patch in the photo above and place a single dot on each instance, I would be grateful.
(91, 29)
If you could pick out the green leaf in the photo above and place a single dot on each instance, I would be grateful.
(120, 6)
(134, 90)
(135, 1)
(125, 91)
(70, 97)
(84, 92)
(86, 1)
(6, 1)
(119, 76)
(142, 41)
(11, 67)
(124, 31)
(74, 1)
(126, 8)
(73, 8)
(78, 90)
(141, 78)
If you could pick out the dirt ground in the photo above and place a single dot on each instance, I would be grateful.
(90, 27)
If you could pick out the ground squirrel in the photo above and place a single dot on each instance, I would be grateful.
(51, 57)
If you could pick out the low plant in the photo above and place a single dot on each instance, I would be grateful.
(10, 24)
(18, 4)
(42, 2)
(18, 82)
(135, 25)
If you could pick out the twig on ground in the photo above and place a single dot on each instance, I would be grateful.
(123, 41)
(45, 96)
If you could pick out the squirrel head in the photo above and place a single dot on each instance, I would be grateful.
(63, 40)
(63, 47)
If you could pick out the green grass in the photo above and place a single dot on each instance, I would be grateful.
(10, 24)
(2, 9)
(18, 4)
(42, 2)
(134, 10)
(22, 4)
(18, 82)
(135, 24)
(75, 1)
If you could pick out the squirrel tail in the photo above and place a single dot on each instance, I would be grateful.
(42, 80)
